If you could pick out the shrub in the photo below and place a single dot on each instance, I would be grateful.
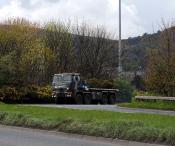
(107, 84)
(28, 94)
(94, 83)
(5, 74)
(125, 88)
(44, 92)
(138, 82)
(36, 94)
(10, 95)
(3, 78)
(98, 83)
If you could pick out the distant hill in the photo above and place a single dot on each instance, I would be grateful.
(135, 51)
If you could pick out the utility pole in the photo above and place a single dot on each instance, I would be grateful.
(120, 42)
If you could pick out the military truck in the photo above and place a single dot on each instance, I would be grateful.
(69, 87)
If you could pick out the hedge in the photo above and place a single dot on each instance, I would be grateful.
(27, 94)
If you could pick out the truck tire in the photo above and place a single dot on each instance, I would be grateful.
(59, 100)
(112, 99)
(104, 99)
(87, 99)
(79, 99)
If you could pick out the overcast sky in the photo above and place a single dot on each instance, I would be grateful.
(138, 16)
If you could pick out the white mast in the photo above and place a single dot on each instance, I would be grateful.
(120, 42)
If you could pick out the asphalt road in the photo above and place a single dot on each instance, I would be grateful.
(14, 136)
(26, 137)
(111, 108)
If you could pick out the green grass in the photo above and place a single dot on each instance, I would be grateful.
(160, 105)
(138, 127)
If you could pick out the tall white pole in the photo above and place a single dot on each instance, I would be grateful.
(120, 42)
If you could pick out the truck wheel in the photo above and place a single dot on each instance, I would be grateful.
(87, 99)
(60, 100)
(79, 99)
(104, 99)
(112, 99)
(56, 100)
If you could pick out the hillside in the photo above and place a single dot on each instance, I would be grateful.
(135, 51)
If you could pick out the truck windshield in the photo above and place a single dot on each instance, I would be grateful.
(61, 80)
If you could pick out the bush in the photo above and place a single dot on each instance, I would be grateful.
(125, 89)
(98, 83)
(10, 95)
(3, 78)
(94, 83)
(36, 94)
(107, 84)
(28, 94)
(125, 93)
(5, 74)
(44, 94)
(139, 83)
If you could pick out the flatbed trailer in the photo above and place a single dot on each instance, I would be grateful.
(68, 87)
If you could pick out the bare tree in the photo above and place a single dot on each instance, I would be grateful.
(95, 50)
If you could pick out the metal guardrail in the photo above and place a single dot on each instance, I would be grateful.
(155, 98)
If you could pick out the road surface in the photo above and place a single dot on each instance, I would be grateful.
(13, 136)
(110, 108)
(26, 137)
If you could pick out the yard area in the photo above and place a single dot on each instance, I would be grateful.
(137, 127)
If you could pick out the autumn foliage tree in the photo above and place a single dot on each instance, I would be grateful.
(22, 52)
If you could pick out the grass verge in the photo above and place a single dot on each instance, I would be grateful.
(137, 127)
(160, 105)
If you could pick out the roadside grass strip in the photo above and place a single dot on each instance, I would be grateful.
(134, 127)
(152, 104)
